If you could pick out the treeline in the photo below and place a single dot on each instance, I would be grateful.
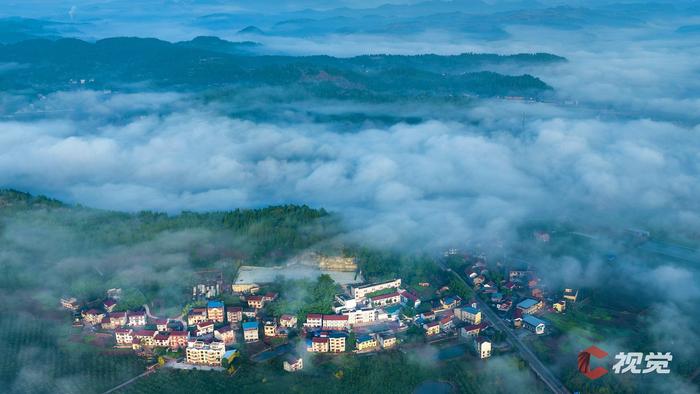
(257, 236)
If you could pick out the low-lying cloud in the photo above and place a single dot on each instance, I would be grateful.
(436, 182)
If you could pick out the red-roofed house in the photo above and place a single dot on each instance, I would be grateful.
(288, 321)
(161, 324)
(432, 328)
(145, 337)
(178, 339)
(314, 320)
(109, 304)
(335, 322)
(409, 299)
(255, 301)
(225, 334)
(203, 328)
(123, 336)
(161, 340)
(473, 330)
(136, 319)
(234, 314)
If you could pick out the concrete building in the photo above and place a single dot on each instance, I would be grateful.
(197, 315)
(109, 305)
(365, 342)
(410, 299)
(337, 342)
(360, 292)
(385, 299)
(161, 340)
(270, 328)
(225, 334)
(145, 337)
(136, 319)
(93, 316)
(204, 328)
(318, 345)
(124, 336)
(201, 353)
(559, 306)
(387, 340)
(255, 301)
(234, 314)
(472, 331)
(361, 316)
(292, 363)
(533, 324)
(529, 306)
(482, 347)
(335, 322)
(314, 320)
(337, 263)
(432, 328)
(178, 339)
(468, 314)
(250, 331)
(288, 321)
(215, 311)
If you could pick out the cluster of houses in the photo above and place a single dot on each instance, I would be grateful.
(523, 286)
(366, 309)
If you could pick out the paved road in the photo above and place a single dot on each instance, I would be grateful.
(179, 318)
(535, 364)
(128, 382)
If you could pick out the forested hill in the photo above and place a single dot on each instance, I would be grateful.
(210, 63)
(258, 236)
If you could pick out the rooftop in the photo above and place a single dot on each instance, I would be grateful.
(532, 320)
(215, 304)
(470, 310)
(527, 303)
(250, 325)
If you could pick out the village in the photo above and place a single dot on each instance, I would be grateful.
(216, 333)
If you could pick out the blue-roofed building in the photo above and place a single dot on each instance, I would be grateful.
(468, 314)
(534, 324)
(250, 331)
(215, 311)
(392, 312)
(470, 309)
(529, 306)
(215, 304)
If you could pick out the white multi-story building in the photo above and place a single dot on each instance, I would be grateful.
(482, 347)
(201, 353)
(361, 292)
(124, 336)
(361, 316)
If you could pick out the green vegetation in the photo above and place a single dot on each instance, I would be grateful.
(207, 64)
(301, 297)
(46, 355)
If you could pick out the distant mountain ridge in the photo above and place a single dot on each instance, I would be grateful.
(212, 63)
